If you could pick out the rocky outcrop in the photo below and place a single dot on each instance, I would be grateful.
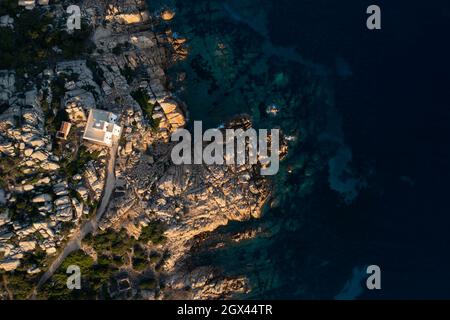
(205, 283)
(10, 265)
(193, 201)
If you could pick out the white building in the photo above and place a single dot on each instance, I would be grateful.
(101, 128)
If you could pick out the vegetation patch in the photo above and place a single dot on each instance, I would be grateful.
(148, 284)
(120, 47)
(95, 277)
(32, 43)
(71, 167)
(154, 232)
(143, 99)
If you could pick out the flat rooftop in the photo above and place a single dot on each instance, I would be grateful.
(99, 123)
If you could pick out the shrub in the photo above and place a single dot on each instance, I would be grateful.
(154, 257)
(94, 277)
(29, 46)
(117, 243)
(139, 264)
(71, 167)
(148, 284)
(120, 47)
(20, 284)
(154, 232)
(142, 98)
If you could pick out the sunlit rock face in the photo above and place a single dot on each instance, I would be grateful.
(167, 15)
(124, 11)
(192, 201)
(131, 18)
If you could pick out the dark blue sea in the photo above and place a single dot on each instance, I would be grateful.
(366, 181)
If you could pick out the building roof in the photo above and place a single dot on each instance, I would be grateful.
(64, 130)
(101, 127)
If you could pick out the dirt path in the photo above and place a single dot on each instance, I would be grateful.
(75, 242)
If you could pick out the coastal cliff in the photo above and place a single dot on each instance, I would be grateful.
(160, 210)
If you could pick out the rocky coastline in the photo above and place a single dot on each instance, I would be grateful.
(124, 74)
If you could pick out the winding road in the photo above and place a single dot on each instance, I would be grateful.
(75, 242)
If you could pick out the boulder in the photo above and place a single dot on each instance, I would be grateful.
(128, 147)
(39, 155)
(42, 198)
(33, 270)
(83, 192)
(50, 250)
(6, 147)
(6, 21)
(50, 166)
(28, 152)
(78, 208)
(62, 201)
(4, 218)
(6, 236)
(27, 187)
(37, 143)
(46, 208)
(10, 265)
(64, 214)
(43, 181)
(61, 189)
(27, 245)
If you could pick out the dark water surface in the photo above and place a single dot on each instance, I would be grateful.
(370, 167)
